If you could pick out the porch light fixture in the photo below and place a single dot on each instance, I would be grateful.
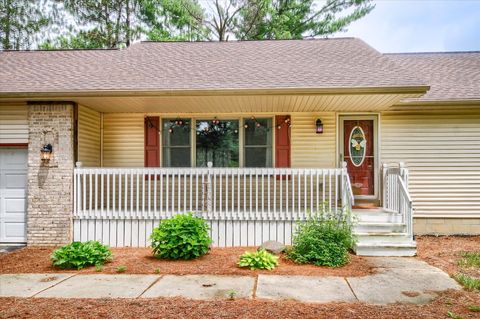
(319, 126)
(46, 153)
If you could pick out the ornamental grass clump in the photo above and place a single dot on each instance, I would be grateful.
(260, 259)
(183, 236)
(78, 255)
(323, 239)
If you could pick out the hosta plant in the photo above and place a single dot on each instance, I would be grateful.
(260, 259)
(183, 236)
(78, 255)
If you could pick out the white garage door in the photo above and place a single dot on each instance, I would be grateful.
(13, 192)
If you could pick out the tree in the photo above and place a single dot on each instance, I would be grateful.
(296, 19)
(100, 24)
(20, 23)
(281, 19)
(178, 20)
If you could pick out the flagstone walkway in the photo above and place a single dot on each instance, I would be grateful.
(404, 280)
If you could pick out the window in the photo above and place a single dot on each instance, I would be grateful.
(258, 142)
(176, 144)
(217, 142)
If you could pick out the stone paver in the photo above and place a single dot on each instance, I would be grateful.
(304, 288)
(202, 287)
(27, 285)
(403, 280)
(101, 286)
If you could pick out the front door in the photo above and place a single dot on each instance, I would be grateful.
(359, 154)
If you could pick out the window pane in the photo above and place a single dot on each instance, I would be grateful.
(217, 142)
(176, 132)
(258, 132)
(258, 156)
(176, 147)
(258, 142)
(176, 157)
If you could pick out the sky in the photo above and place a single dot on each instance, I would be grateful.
(420, 26)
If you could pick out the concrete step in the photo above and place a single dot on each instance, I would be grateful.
(372, 237)
(407, 249)
(377, 216)
(378, 227)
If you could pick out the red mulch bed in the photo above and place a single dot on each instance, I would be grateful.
(444, 252)
(219, 261)
(456, 302)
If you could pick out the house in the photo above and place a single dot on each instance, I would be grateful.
(103, 144)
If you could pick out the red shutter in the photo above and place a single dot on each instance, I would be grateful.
(152, 142)
(282, 141)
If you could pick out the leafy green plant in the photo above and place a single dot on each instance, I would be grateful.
(157, 270)
(121, 269)
(183, 236)
(232, 293)
(468, 282)
(474, 308)
(98, 268)
(452, 315)
(470, 259)
(78, 255)
(324, 239)
(260, 259)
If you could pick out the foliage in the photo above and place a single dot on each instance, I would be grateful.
(98, 268)
(468, 282)
(78, 255)
(21, 22)
(260, 259)
(474, 308)
(183, 236)
(232, 293)
(121, 269)
(453, 315)
(470, 259)
(177, 20)
(324, 239)
(296, 19)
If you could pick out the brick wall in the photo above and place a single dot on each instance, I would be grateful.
(50, 185)
(446, 226)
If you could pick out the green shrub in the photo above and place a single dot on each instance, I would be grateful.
(470, 283)
(258, 260)
(324, 239)
(470, 259)
(78, 255)
(181, 237)
(121, 269)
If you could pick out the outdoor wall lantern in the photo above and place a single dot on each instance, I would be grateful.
(319, 126)
(46, 153)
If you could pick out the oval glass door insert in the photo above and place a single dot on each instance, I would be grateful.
(358, 145)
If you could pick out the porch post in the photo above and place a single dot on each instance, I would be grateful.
(50, 183)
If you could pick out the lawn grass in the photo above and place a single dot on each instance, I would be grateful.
(468, 282)
(470, 259)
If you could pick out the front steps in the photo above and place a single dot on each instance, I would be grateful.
(381, 233)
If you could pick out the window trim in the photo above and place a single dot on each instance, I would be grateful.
(241, 134)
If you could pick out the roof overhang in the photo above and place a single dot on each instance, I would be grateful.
(231, 100)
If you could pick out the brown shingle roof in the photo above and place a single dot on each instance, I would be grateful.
(150, 66)
(451, 75)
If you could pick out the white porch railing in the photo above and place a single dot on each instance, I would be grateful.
(132, 201)
(396, 197)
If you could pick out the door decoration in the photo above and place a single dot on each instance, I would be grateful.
(358, 145)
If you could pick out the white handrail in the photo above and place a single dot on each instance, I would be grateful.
(214, 193)
(396, 197)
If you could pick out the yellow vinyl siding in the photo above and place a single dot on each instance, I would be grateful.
(88, 136)
(308, 148)
(442, 150)
(123, 135)
(13, 123)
